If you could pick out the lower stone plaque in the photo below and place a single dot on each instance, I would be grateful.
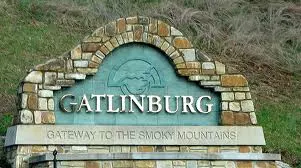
(134, 135)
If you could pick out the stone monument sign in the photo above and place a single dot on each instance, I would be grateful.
(135, 93)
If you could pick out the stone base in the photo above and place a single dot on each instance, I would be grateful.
(158, 164)
(24, 156)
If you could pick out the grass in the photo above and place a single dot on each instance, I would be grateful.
(26, 42)
(282, 128)
(5, 121)
(261, 39)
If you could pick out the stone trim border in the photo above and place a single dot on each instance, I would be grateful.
(157, 156)
(35, 93)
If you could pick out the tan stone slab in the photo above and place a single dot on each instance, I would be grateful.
(133, 135)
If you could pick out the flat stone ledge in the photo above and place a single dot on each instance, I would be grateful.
(157, 156)
(133, 135)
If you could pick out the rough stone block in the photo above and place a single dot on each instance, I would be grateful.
(210, 83)
(29, 87)
(153, 26)
(34, 77)
(87, 71)
(225, 106)
(220, 68)
(240, 96)
(129, 28)
(145, 164)
(138, 32)
(81, 64)
(261, 164)
(93, 65)
(247, 106)
(213, 149)
(143, 20)
(37, 117)
(234, 106)
(76, 53)
(90, 47)
(227, 96)
(79, 148)
(65, 83)
(43, 104)
(50, 104)
(230, 164)
(125, 37)
(60, 75)
(199, 78)
(123, 164)
(26, 116)
(179, 163)
(172, 148)
(234, 80)
(76, 76)
(244, 164)
(119, 40)
(130, 36)
(52, 65)
(163, 29)
(170, 50)
(242, 119)
(203, 163)
(218, 163)
(48, 117)
(39, 149)
(121, 25)
(92, 39)
(110, 29)
(24, 99)
(174, 55)
(253, 118)
(214, 77)
(178, 60)
(181, 66)
(164, 164)
(165, 46)
(145, 149)
(104, 49)
(175, 32)
(188, 54)
(114, 42)
(222, 89)
(208, 68)
(244, 149)
(132, 20)
(50, 78)
(227, 118)
(52, 87)
(157, 41)
(248, 95)
(181, 42)
(188, 72)
(45, 93)
(32, 101)
(193, 64)
(92, 164)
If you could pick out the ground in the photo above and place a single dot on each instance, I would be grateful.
(259, 39)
